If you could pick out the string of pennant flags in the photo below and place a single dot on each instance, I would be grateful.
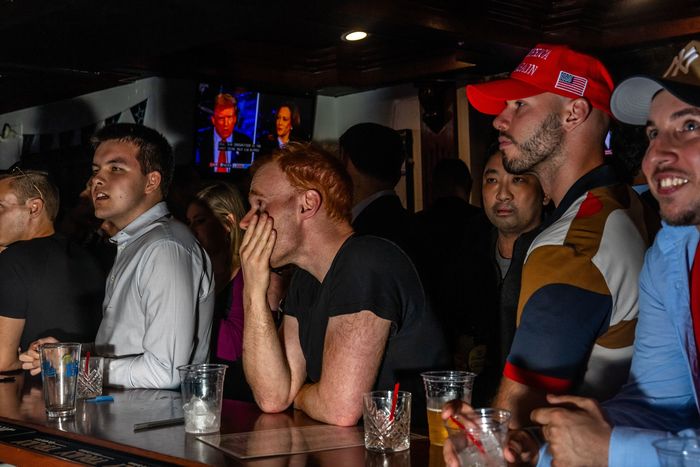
(37, 143)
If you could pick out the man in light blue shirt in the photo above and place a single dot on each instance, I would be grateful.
(159, 296)
(660, 399)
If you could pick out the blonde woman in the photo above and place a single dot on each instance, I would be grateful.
(213, 217)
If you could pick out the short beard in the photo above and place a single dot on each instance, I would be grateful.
(544, 144)
(687, 217)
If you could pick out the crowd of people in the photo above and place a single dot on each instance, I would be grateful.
(576, 304)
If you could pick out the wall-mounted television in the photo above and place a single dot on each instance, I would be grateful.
(234, 125)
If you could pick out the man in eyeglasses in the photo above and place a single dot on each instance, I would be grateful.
(49, 285)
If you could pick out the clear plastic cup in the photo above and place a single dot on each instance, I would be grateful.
(440, 388)
(480, 439)
(202, 387)
(678, 452)
(59, 372)
(382, 432)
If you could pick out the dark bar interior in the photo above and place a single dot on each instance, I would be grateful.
(472, 227)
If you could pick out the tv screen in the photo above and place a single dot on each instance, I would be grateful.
(234, 126)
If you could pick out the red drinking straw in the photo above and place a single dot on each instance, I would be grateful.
(469, 436)
(87, 361)
(394, 400)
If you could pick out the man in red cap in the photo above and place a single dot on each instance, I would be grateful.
(660, 401)
(578, 299)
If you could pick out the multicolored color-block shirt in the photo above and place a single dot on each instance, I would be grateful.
(579, 293)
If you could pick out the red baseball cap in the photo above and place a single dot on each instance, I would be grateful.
(547, 68)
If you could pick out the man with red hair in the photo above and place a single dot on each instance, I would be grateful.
(356, 318)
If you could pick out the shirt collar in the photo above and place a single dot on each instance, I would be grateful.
(137, 227)
(671, 237)
(603, 175)
(218, 139)
(359, 207)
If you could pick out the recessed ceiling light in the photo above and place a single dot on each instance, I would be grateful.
(353, 36)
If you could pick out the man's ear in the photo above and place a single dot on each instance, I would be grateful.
(576, 112)
(153, 180)
(36, 206)
(310, 203)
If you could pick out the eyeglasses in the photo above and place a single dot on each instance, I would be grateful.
(18, 172)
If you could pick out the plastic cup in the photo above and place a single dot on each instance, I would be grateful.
(677, 452)
(202, 387)
(59, 372)
(382, 433)
(440, 388)
(479, 441)
(90, 377)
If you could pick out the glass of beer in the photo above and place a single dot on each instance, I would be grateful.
(440, 388)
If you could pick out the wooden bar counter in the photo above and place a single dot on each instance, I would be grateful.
(110, 425)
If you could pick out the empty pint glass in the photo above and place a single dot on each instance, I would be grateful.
(59, 373)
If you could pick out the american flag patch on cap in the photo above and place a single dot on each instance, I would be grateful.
(571, 83)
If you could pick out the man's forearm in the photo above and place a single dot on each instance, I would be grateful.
(308, 400)
(146, 371)
(8, 364)
(10, 333)
(264, 362)
(326, 409)
(520, 400)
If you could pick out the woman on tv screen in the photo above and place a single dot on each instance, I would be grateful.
(287, 118)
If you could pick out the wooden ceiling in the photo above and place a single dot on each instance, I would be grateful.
(63, 48)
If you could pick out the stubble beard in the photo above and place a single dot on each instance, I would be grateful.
(689, 216)
(545, 144)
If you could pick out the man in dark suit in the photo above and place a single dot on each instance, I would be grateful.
(225, 146)
(373, 155)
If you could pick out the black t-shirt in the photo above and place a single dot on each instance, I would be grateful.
(370, 273)
(55, 286)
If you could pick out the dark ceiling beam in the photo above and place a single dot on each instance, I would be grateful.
(460, 23)
(647, 33)
(347, 78)
(406, 71)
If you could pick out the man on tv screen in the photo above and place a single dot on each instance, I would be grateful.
(229, 146)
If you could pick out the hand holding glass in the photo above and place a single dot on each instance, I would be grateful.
(478, 437)
(440, 388)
